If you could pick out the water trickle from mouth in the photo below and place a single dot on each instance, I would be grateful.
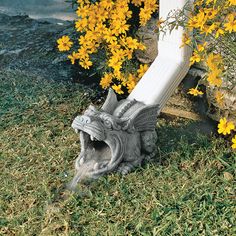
(81, 174)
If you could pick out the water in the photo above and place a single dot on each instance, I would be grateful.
(37, 9)
(81, 174)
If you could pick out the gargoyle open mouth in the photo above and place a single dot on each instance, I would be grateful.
(94, 151)
(101, 149)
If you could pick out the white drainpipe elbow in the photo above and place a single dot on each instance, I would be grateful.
(170, 66)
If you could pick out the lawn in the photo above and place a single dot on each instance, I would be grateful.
(188, 189)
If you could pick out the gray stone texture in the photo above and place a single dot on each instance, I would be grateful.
(118, 137)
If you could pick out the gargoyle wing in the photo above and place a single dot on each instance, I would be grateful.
(144, 118)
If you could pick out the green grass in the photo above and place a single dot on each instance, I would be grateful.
(182, 192)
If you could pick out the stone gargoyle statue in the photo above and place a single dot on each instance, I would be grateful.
(117, 137)
(120, 135)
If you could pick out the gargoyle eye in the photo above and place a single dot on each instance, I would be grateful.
(107, 123)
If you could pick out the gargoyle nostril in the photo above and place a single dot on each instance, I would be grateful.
(85, 119)
(88, 120)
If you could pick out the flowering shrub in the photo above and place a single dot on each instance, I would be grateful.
(210, 31)
(108, 25)
(213, 25)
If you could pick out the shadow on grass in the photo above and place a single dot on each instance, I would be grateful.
(193, 142)
(197, 133)
(179, 140)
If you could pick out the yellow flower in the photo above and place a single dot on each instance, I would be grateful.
(120, 27)
(130, 86)
(214, 79)
(106, 4)
(234, 142)
(137, 2)
(120, 76)
(213, 60)
(106, 80)
(145, 15)
(141, 47)
(117, 89)
(160, 22)
(195, 92)
(82, 11)
(100, 28)
(201, 47)
(86, 63)
(225, 127)
(211, 13)
(197, 21)
(91, 23)
(128, 14)
(83, 53)
(119, 54)
(219, 32)
(90, 36)
(73, 57)
(109, 36)
(142, 69)
(114, 46)
(117, 74)
(192, 23)
(132, 43)
(129, 53)
(151, 4)
(122, 6)
(210, 1)
(101, 15)
(115, 63)
(232, 2)
(132, 81)
(231, 24)
(195, 58)
(209, 29)
(81, 24)
(82, 2)
(198, 3)
(185, 40)
(64, 43)
(219, 97)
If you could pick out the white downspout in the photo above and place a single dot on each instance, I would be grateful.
(170, 66)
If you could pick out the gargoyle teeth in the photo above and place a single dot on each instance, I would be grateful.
(81, 161)
(96, 166)
(92, 138)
